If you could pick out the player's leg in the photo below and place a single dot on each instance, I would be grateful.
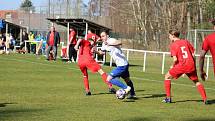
(132, 91)
(74, 53)
(126, 76)
(54, 52)
(174, 72)
(112, 78)
(47, 52)
(200, 87)
(85, 79)
(70, 53)
(104, 78)
(95, 67)
(167, 86)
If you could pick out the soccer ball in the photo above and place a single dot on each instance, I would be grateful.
(120, 94)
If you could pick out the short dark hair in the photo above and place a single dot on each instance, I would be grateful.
(176, 33)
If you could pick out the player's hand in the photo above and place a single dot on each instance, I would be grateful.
(76, 47)
(203, 75)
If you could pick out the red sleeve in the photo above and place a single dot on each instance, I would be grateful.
(205, 45)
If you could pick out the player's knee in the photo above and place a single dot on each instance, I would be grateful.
(167, 76)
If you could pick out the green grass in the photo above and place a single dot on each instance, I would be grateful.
(33, 89)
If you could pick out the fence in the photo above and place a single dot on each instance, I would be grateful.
(164, 55)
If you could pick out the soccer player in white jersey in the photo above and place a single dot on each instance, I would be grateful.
(112, 46)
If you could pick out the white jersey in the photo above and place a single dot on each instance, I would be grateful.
(116, 53)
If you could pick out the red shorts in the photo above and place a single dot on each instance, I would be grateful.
(92, 65)
(177, 71)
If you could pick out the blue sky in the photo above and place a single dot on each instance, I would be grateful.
(14, 4)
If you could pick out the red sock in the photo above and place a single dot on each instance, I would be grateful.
(201, 90)
(86, 84)
(104, 78)
(167, 85)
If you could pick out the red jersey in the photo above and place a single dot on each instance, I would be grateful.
(72, 34)
(85, 57)
(183, 50)
(85, 53)
(92, 36)
(51, 39)
(209, 44)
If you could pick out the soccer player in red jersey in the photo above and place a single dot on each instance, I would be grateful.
(208, 44)
(86, 61)
(183, 63)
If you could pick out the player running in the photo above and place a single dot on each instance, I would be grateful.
(208, 44)
(183, 63)
(111, 46)
(86, 61)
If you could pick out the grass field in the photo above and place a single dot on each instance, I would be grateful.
(32, 89)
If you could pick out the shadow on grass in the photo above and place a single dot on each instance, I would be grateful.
(210, 102)
(103, 93)
(138, 119)
(139, 90)
(153, 95)
(5, 104)
(14, 113)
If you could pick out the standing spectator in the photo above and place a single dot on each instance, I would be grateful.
(72, 42)
(182, 53)
(2, 42)
(53, 40)
(23, 39)
(208, 44)
(33, 44)
(12, 42)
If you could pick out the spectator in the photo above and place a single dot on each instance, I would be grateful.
(53, 40)
(33, 44)
(71, 43)
(23, 39)
(12, 42)
(2, 41)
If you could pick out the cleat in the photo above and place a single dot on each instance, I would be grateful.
(167, 100)
(112, 90)
(127, 90)
(88, 93)
(131, 96)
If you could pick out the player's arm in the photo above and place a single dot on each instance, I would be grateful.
(99, 52)
(201, 64)
(78, 43)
